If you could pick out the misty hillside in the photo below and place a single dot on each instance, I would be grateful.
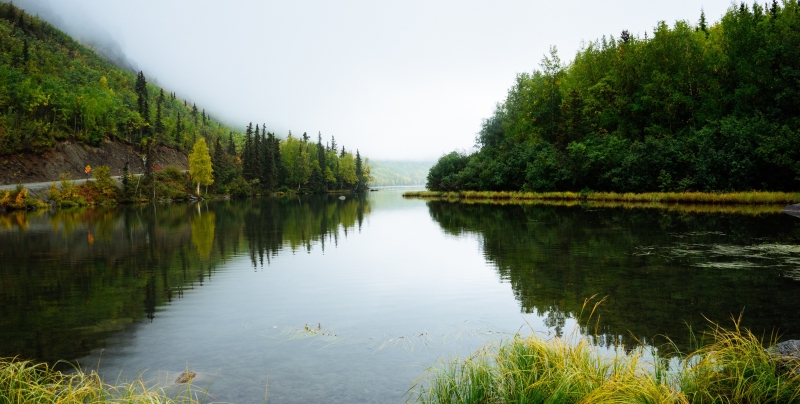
(391, 172)
(55, 88)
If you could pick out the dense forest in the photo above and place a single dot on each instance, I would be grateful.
(54, 88)
(705, 107)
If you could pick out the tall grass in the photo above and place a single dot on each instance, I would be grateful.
(733, 368)
(750, 197)
(26, 382)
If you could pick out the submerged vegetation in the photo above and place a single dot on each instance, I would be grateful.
(733, 368)
(692, 107)
(26, 382)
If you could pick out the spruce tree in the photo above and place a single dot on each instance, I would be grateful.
(320, 152)
(179, 129)
(159, 126)
(231, 145)
(702, 25)
(247, 153)
(359, 171)
(270, 173)
(257, 169)
(194, 113)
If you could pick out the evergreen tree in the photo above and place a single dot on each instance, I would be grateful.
(179, 129)
(25, 52)
(257, 170)
(270, 169)
(219, 162)
(159, 126)
(702, 26)
(194, 113)
(359, 172)
(247, 154)
(320, 152)
(280, 170)
(333, 143)
(231, 145)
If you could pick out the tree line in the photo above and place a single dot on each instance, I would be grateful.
(266, 163)
(706, 107)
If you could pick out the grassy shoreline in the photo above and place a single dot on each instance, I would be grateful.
(733, 368)
(27, 382)
(727, 198)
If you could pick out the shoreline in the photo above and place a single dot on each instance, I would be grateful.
(726, 198)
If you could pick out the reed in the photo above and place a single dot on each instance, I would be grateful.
(733, 368)
(745, 198)
(26, 382)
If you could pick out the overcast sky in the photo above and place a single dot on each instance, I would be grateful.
(397, 80)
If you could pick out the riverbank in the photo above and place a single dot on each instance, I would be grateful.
(733, 368)
(26, 382)
(727, 198)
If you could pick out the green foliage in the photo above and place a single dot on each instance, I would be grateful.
(200, 168)
(706, 108)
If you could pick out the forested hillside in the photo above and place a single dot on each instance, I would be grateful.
(54, 88)
(690, 107)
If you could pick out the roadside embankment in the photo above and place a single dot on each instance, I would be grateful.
(72, 157)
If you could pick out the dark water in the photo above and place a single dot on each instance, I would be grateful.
(324, 300)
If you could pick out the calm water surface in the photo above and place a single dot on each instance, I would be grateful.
(325, 300)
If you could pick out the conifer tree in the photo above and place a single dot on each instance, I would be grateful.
(179, 129)
(359, 171)
(159, 126)
(231, 145)
(247, 154)
(257, 169)
(320, 152)
(280, 170)
(702, 25)
(194, 113)
(270, 174)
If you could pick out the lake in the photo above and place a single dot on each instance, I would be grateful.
(317, 299)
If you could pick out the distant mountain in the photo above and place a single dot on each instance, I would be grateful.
(399, 172)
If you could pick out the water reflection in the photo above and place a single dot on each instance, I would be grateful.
(70, 278)
(662, 270)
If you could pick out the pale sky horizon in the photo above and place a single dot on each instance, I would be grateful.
(396, 80)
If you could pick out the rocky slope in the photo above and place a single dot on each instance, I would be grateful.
(72, 157)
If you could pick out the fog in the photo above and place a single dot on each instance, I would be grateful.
(397, 80)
